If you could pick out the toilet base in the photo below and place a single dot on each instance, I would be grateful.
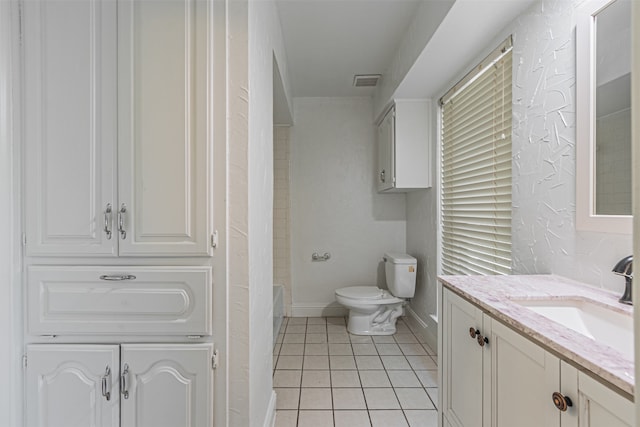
(381, 322)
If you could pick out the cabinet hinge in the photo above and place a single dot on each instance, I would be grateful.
(214, 239)
(214, 359)
(24, 361)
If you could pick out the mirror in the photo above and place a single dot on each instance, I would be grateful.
(603, 146)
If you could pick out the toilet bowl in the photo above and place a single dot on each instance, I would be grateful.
(374, 311)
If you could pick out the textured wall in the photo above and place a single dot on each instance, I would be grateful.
(334, 205)
(282, 214)
(544, 138)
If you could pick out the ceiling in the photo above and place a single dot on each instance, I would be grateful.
(328, 41)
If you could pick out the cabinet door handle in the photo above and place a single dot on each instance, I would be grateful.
(117, 277)
(121, 212)
(382, 176)
(482, 340)
(107, 221)
(561, 401)
(473, 332)
(123, 381)
(106, 383)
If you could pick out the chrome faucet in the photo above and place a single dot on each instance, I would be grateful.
(624, 268)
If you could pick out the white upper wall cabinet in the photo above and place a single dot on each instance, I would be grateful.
(117, 98)
(404, 148)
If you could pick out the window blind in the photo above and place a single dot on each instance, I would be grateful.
(476, 171)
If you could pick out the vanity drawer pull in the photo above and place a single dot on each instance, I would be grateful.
(482, 340)
(473, 332)
(562, 402)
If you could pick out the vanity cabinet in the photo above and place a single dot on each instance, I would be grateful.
(404, 149)
(493, 376)
(141, 385)
(117, 127)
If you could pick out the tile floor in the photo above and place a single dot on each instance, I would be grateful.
(324, 376)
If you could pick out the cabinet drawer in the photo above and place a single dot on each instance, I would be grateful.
(119, 300)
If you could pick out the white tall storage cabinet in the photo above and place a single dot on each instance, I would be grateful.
(117, 212)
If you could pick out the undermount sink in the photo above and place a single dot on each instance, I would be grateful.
(595, 321)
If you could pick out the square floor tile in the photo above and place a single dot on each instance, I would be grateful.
(315, 419)
(429, 350)
(395, 362)
(316, 329)
(280, 338)
(316, 349)
(336, 321)
(374, 379)
(348, 398)
(286, 418)
(316, 362)
(332, 329)
(338, 337)
(412, 349)
(345, 378)
(342, 362)
(340, 349)
(405, 338)
(289, 362)
(316, 321)
(352, 419)
(401, 328)
(286, 378)
(428, 378)
(421, 363)
(293, 338)
(403, 379)
(413, 398)
(425, 418)
(388, 349)
(296, 329)
(384, 339)
(297, 321)
(433, 395)
(316, 398)
(369, 362)
(381, 398)
(387, 419)
(292, 349)
(314, 338)
(287, 398)
(367, 349)
(276, 348)
(360, 339)
(316, 378)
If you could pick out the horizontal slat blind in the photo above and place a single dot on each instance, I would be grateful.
(476, 174)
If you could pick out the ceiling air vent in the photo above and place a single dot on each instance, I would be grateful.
(366, 80)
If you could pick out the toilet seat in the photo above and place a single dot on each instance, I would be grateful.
(368, 295)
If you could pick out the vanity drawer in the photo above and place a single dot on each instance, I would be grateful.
(119, 300)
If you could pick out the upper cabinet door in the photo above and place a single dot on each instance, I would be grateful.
(69, 126)
(164, 85)
(386, 152)
(72, 385)
(166, 385)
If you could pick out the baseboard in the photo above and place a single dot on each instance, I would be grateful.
(427, 330)
(318, 310)
(270, 418)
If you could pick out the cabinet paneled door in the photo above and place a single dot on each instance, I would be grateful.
(141, 385)
(117, 128)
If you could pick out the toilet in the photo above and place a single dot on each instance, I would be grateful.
(374, 311)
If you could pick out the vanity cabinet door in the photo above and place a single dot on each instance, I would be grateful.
(72, 385)
(523, 379)
(463, 367)
(599, 406)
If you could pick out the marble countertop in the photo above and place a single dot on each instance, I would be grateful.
(496, 294)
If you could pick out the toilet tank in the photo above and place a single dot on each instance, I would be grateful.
(400, 271)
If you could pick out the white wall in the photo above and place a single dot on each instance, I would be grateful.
(282, 213)
(334, 205)
(254, 39)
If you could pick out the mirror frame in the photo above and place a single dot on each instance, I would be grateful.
(586, 217)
